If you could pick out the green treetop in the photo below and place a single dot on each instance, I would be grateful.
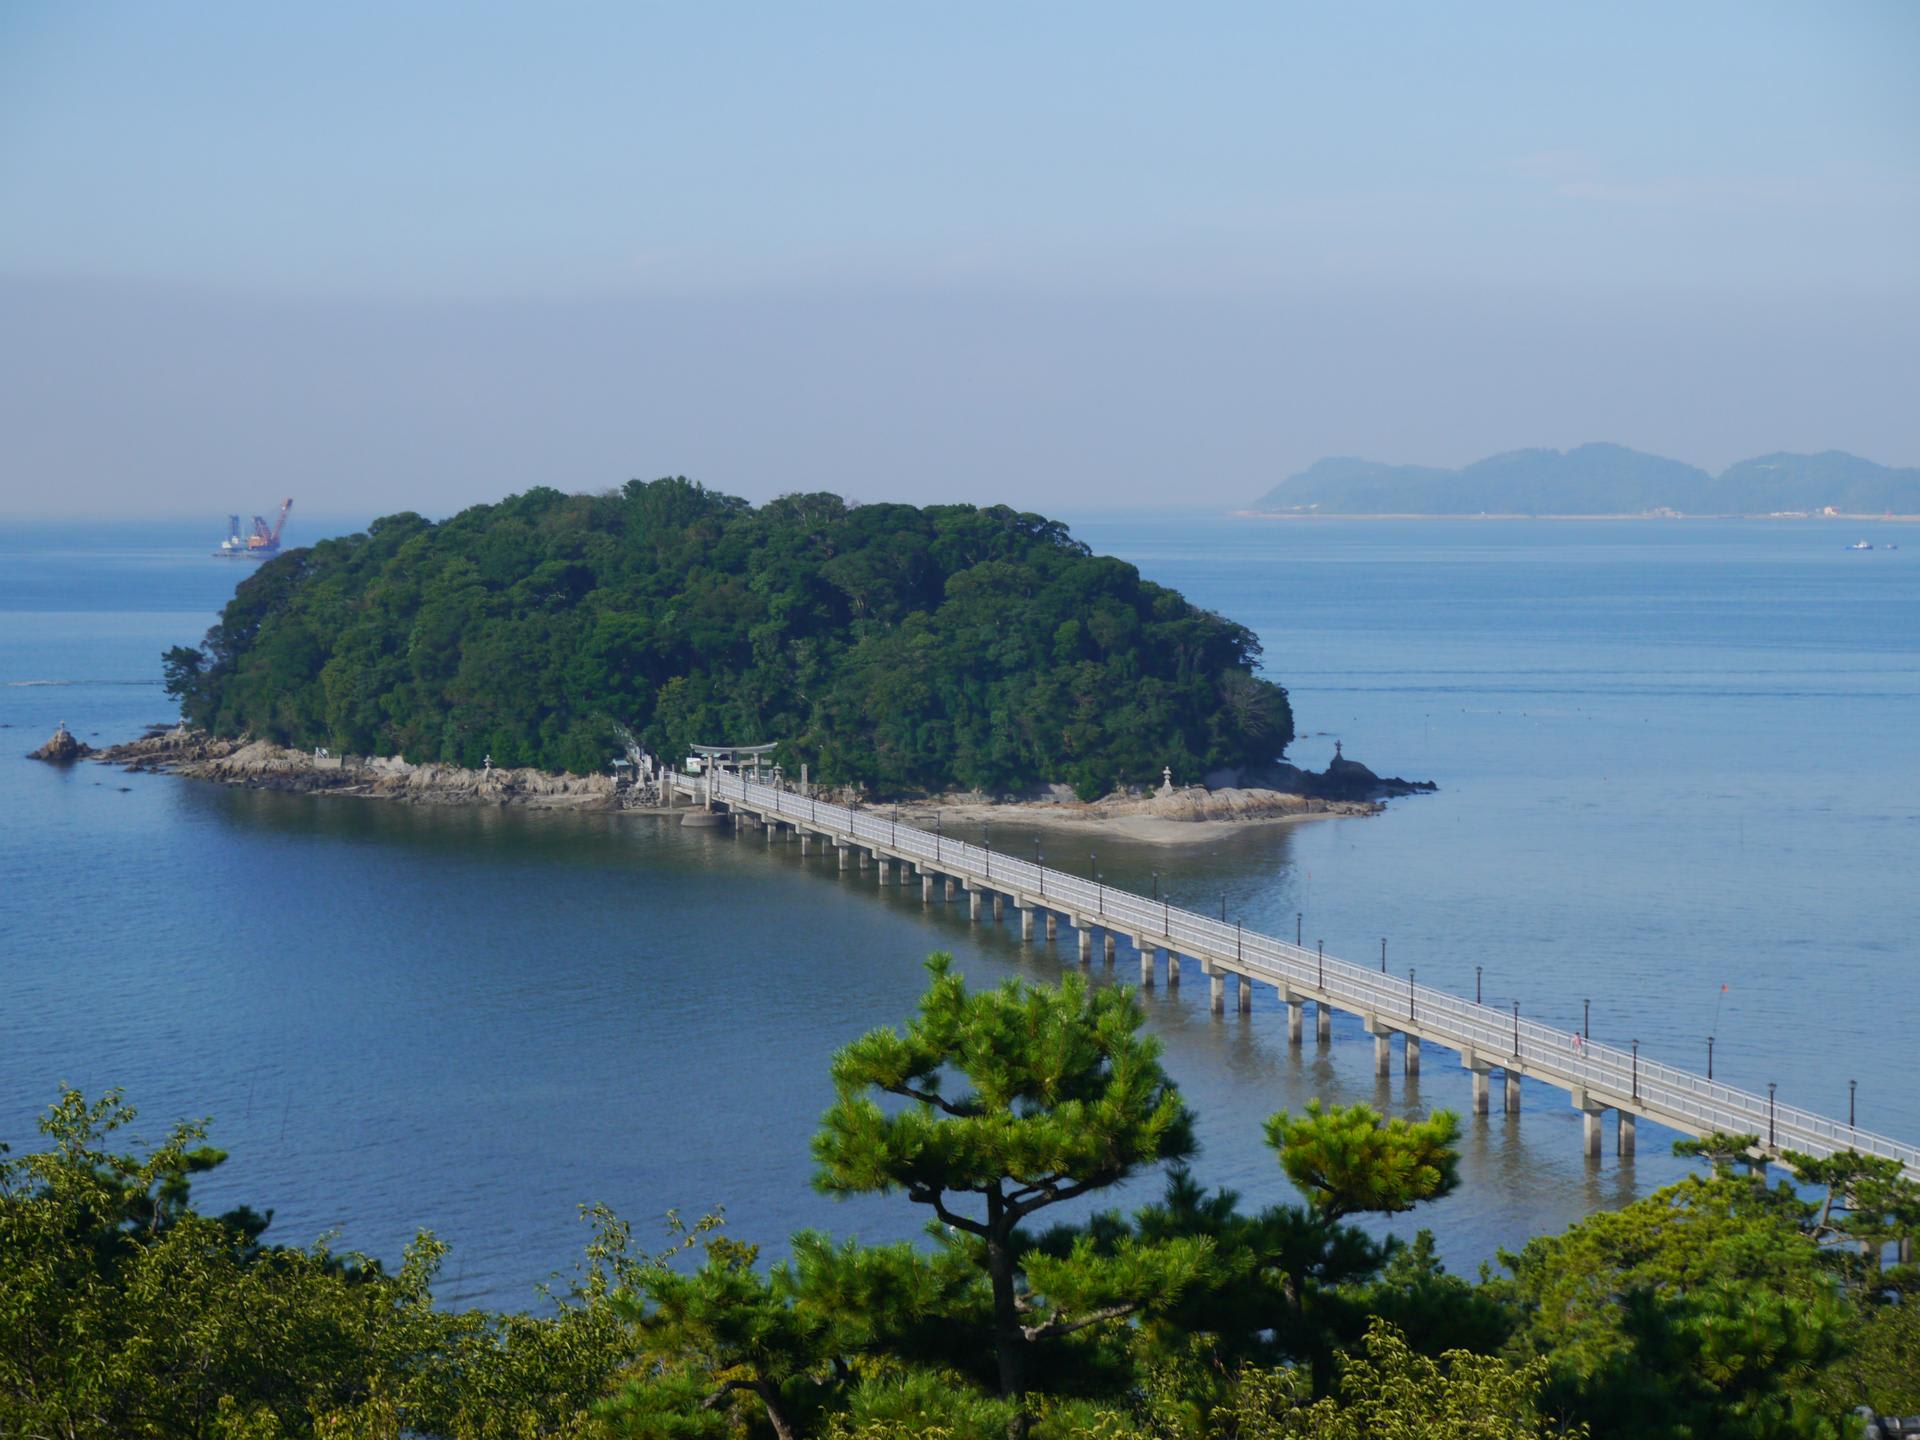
(1017, 1099)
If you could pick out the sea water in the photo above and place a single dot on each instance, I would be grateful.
(1679, 770)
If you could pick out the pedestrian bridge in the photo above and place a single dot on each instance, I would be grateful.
(1598, 1077)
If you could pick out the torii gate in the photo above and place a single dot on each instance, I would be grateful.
(734, 757)
(730, 757)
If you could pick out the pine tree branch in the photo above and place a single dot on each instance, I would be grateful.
(920, 1195)
(1060, 1325)
(1052, 1193)
(729, 1387)
(933, 1098)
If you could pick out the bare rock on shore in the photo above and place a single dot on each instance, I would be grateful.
(262, 765)
(63, 749)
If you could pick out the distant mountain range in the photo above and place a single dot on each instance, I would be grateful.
(1598, 480)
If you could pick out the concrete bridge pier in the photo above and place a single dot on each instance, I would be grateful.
(1294, 1009)
(886, 872)
(1513, 1092)
(973, 905)
(1411, 1059)
(1026, 923)
(843, 855)
(1382, 1049)
(1479, 1070)
(1086, 945)
(1623, 1134)
(1246, 995)
(806, 843)
(864, 855)
(1053, 927)
(999, 908)
(1108, 947)
(1146, 962)
(1216, 987)
(1173, 969)
(1323, 1022)
(926, 888)
(1590, 1114)
(770, 827)
(946, 893)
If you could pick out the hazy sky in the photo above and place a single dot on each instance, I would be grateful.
(421, 255)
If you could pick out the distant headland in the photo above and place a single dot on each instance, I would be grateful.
(1599, 481)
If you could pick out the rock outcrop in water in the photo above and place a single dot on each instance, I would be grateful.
(63, 749)
(1343, 779)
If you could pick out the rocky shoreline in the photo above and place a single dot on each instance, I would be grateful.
(260, 765)
(1171, 814)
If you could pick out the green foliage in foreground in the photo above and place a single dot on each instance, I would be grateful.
(901, 648)
(1720, 1308)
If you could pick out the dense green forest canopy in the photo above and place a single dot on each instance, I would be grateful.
(901, 648)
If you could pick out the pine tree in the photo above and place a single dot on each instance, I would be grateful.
(1019, 1098)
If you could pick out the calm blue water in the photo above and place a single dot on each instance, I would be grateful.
(1672, 757)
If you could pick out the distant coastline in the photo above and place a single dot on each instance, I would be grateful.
(1859, 517)
(1600, 482)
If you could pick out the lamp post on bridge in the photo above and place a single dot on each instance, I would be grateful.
(1709, 1057)
(986, 844)
(1040, 864)
(1383, 954)
(1409, 992)
(1516, 1029)
(1852, 1085)
(1586, 1019)
(1099, 888)
(1321, 946)
(1770, 1112)
(1298, 915)
(1636, 1069)
(936, 837)
(1476, 985)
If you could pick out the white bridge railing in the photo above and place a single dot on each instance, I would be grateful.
(1664, 1093)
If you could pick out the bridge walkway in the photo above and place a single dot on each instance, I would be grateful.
(1596, 1076)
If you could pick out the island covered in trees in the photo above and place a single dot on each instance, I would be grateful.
(898, 648)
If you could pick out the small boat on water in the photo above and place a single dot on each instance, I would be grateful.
(1859, 545)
